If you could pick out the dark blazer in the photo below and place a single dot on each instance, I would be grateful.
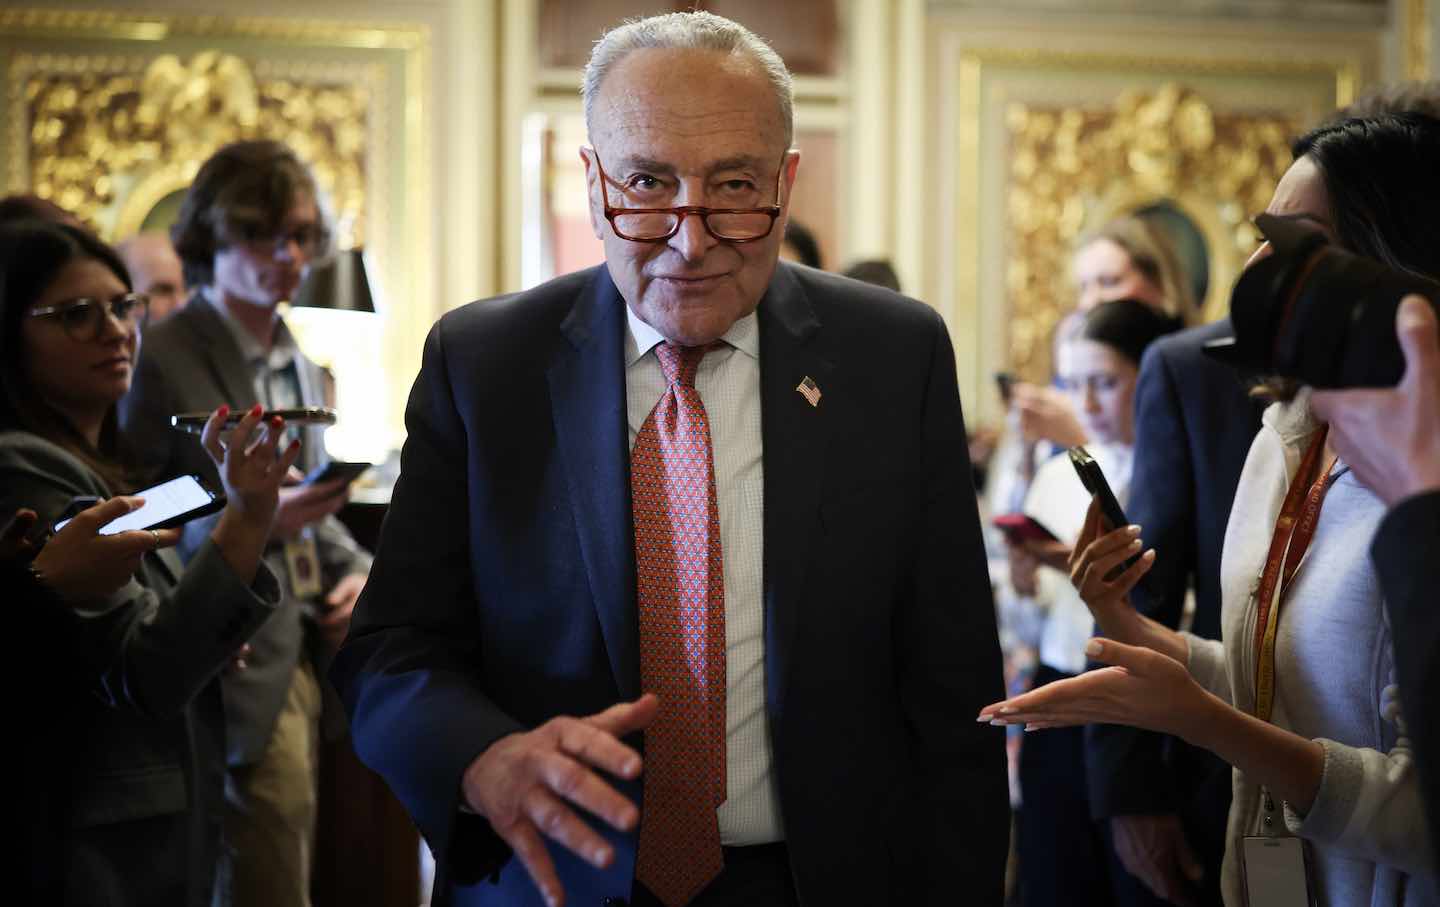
(1194, 423)
(503, 592)
(130, 780)
(1407, 557)
(191, 362)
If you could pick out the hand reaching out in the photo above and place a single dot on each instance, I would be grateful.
(1143, 688)
(80, 565)
(526, 783)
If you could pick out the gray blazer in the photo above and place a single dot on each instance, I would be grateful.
(139, 776)
(191, 362)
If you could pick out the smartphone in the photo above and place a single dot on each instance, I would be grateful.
(1020, 528)
(1005, 383)
(168, 504)
(1094, 481)
(194, 423)
(336, 469)
(1276, 872)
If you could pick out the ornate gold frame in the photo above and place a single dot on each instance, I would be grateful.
(968, 107)
(398, 237)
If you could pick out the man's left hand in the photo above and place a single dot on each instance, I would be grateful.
(1391, 437)
(335, 622)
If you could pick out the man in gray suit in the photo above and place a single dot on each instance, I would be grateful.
(247, 232)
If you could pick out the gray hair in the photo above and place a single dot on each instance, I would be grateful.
(689, 31)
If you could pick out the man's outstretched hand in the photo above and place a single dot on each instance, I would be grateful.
(524, 784)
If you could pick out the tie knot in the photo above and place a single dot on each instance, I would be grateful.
(680, 363)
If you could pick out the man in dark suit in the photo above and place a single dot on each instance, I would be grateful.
(1391, 439)
(691, 472)
(248, 229)
(1166, 802)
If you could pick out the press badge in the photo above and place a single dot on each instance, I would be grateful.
(1276, 873)
(302, 558)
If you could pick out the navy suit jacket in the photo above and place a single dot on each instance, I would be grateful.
(1194, 423)
(503, 592)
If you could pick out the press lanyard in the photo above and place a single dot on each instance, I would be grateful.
(1294, 530)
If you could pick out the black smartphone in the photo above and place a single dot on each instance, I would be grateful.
(172, 503)
(1005, 383)
(194, 423)
(336, 469)
(1093, 478)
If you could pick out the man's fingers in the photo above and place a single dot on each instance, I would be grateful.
(559, 823)
(525, 840)
(1415, 326)
(627, 717)
(574, 781)
(599, 748)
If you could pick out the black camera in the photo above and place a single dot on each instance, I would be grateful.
(1317, 313)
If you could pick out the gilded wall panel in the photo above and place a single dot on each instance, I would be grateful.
(1073, 168)
(111, 137)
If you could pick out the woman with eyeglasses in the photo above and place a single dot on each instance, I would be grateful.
(126, 783)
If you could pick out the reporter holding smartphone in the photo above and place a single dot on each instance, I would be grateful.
(1063, 858)
(247, 233)
(130, 780)
(1301, 694)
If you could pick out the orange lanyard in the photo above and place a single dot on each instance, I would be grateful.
(1294, 530)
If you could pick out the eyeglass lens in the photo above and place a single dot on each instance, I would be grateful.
(744, 225)
(84, 319)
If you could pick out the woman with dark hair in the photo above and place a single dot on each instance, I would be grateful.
(131, 784)
(1300, 696)
(1061, 850)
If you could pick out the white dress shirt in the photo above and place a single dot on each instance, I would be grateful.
(728, 381)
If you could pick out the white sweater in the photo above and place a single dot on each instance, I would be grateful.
(1335, 682)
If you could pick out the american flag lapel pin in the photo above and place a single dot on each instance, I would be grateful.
(808, 389)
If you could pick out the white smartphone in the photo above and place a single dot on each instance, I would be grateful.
(1277, 873)
(171, 503)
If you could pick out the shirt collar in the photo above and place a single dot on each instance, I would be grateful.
(641, 338)
(250, 348)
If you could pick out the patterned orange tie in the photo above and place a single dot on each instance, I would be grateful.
(682, 635)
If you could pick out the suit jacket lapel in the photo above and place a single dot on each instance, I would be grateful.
(796, 435)
(587, 398)
(223, 358)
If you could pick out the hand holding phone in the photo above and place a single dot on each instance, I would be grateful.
(86, 560)
(172, 503)
(1111, 512)
(194, 423)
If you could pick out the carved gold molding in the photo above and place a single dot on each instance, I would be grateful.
(1030, 320)
(1073, 169)
(110, 136)
(382, 192)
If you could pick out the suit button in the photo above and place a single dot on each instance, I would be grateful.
(614, 902)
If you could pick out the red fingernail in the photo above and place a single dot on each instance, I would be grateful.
(256, 410)
(294, 444)
(278, 422)
(224, 411)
